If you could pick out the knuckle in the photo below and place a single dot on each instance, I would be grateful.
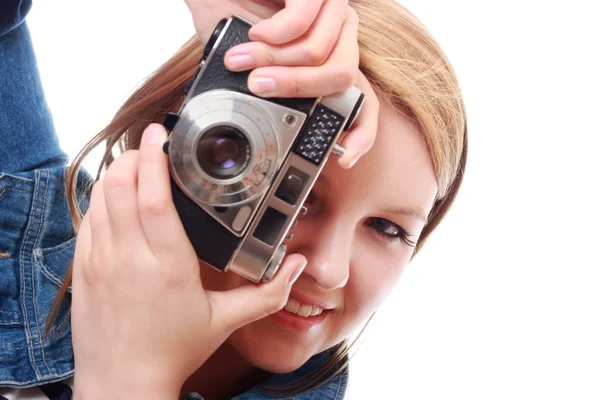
(86, 270)
(351, 15)
(315, 54)
(343, 78)
(153, 206)
(266, 55)
(96, 269)
(274, 302)
(173, 277)
(117, 179)
(296, 86)
(121, 174)
(298, 26)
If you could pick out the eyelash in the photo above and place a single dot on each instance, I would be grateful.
(381, 225)
(376, 224)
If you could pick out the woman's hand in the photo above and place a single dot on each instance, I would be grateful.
(142, 322)
(299, 48)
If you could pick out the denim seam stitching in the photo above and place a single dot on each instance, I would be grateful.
(13, 190)
(16, 178)
(23, 288)
(55, 330)
(35, 312)
(9, 312)
(56, 279)
(59, 251)
(49, 273)
(23, 384)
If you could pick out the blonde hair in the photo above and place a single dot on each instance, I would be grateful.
(401, 60)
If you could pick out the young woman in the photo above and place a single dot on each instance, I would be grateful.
(148, 319)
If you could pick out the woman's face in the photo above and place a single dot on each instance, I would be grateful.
(352, 239)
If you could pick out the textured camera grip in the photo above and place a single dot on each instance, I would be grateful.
(318, 134)
(216, 76)
(213, 243)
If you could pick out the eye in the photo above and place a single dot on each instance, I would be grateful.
(390, 231)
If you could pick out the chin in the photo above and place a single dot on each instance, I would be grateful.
(271, 349)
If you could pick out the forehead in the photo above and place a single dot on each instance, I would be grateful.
(397, 171)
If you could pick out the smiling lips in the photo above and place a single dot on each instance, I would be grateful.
(302, 314)
(303, 310)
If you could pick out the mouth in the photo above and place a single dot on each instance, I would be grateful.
(300, 317)
(303, 310)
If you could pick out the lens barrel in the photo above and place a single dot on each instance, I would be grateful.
(223, 152)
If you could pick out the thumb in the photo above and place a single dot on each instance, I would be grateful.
(235, 308)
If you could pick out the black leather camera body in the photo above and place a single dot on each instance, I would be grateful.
(241, 166)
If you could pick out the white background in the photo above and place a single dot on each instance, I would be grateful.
(504, 300)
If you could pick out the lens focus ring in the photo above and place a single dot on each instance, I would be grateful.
(275, 263)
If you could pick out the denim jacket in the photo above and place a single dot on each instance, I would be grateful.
(36, 236)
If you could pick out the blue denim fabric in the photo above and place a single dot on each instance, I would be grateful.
(334, 389)
(36, 235)
(28, 139)
(36, 248)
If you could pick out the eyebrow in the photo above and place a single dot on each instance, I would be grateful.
(410, 211)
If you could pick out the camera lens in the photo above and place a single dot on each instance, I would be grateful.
(223, 152)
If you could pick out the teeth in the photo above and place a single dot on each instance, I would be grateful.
(304, 311)
(294, 307)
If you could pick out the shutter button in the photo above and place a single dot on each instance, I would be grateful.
(338, 150)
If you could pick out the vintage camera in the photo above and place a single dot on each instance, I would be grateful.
(242, 166)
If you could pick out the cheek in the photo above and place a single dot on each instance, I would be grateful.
(374, 272)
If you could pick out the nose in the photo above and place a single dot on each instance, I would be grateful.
(326, 244)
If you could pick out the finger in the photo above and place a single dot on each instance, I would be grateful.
(235, 308)
(361, 136)
(99, 222)
(288, 24)
(311, 50)
(161, 224)
(336, 75)
(83, 248)
(94, 236)
(120, 193)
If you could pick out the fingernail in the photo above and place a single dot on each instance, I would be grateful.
(152, 135)
(353, 156)
(262, 85)
(296, 274)
(240, 62)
